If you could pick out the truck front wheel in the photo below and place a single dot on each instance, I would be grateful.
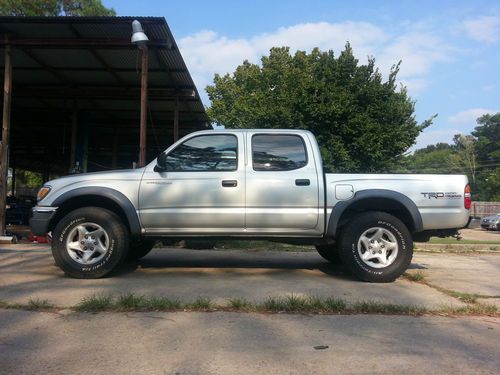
(376, 247)
(89, 243)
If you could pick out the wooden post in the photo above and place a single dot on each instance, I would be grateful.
(4, 152)
(176, 119)
(144, 107)
(13, 187)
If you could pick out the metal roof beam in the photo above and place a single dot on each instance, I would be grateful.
(89, 69)
(82, 43)
(114, 93)
(98, 57)
(44, 66)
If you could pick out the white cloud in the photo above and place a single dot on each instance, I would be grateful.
(418, 52)
(431, 137)
(468, 117)
(208, 52)
(460, 123)
(483, 29)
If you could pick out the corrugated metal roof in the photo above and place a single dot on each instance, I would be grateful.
(60, 61)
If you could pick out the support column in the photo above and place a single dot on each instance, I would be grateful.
(144, 107)
(4, 152)
(176, 119)
(74, 130)
(114, 157)
(13, 187)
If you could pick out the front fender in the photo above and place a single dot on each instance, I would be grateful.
(114, 195)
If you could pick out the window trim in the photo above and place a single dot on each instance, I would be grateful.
(204, 171)
(280, 134)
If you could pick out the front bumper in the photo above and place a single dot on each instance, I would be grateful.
(40, 219)
(490, 226)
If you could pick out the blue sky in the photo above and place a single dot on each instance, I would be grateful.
(450, 50)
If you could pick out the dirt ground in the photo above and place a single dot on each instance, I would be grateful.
(479, 234)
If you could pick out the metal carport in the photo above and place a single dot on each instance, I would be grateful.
(76, 92)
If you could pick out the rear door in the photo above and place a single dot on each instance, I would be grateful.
(282, 193)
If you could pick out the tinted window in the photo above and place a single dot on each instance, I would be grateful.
(205, 153)
(278, 152)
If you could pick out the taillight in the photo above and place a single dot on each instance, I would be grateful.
(467, 197)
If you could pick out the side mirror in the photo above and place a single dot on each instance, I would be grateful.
(161, 163)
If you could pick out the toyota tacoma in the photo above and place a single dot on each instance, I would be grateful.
(257, 184)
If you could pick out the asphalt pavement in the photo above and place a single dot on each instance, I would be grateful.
(65, 341)
(28, 272)
(235, 343)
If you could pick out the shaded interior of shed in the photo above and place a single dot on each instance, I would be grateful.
(76, 92)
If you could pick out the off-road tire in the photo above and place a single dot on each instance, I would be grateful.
(352, 242)
(96, 217)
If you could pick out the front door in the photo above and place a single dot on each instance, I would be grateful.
(203, 189)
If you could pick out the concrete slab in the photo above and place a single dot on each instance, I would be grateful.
(29, 273)
(479, 234)
(231, 343)
(472, 273)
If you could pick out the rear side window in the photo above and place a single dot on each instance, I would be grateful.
(277, 152)
(205, 153)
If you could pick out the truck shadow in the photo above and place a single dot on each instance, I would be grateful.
(237, 260)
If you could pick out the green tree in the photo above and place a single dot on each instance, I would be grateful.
(54, 8)
(362, 122)
(440, 158)
(488, 138)
(465, 146)
(487, 145)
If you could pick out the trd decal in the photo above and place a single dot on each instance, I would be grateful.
(442, 195)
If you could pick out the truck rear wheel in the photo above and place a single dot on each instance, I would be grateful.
(89, 243)
(376, 247)
(329, 252)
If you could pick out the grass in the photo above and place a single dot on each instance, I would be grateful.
(415, 276)
(241, 304)
(293, 303)
(262, 245)
(286, 304)
(469, 298)
(39, 304)
(200, 304)
(454, 241)
(375, 307)
(95, 303)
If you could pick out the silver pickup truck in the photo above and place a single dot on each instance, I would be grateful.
(259, 184)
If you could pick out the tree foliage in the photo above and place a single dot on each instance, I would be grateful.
(487, 146)
(476, 154)
(362, 123)
(54, 8)
(439, 158)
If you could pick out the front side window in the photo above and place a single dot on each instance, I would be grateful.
(277, 152)
(205, 153)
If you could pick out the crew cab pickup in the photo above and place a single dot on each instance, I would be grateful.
(259, 184)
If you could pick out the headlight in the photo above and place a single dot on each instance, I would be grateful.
(42, 193)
